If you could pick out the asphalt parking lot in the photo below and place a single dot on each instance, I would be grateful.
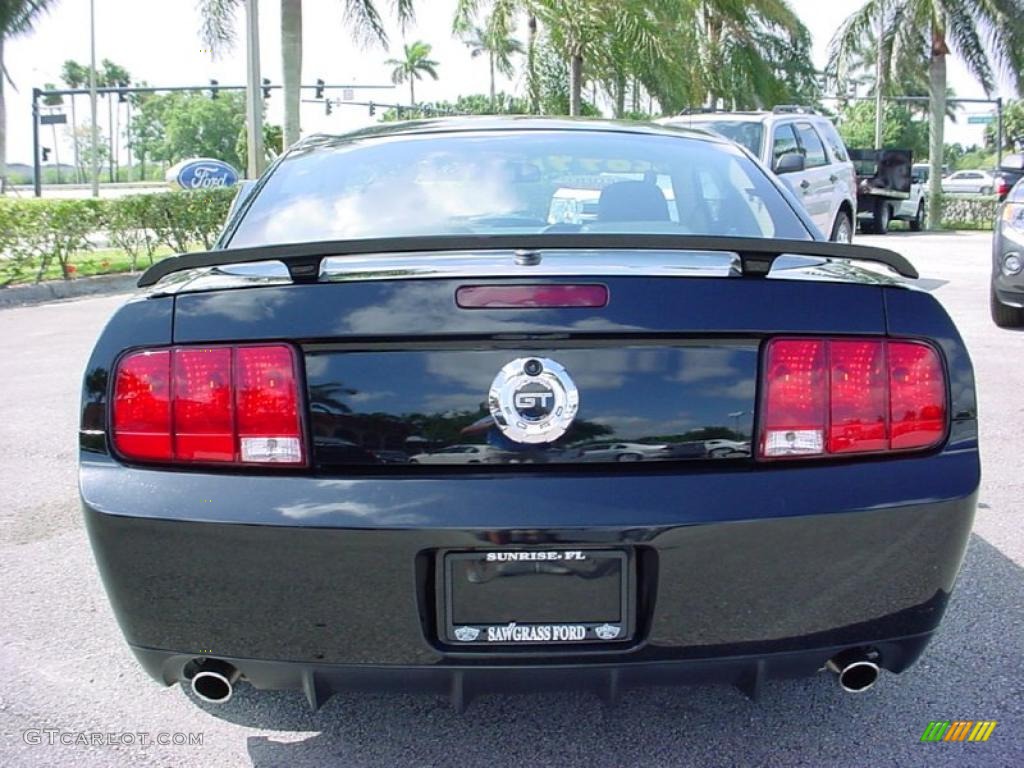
(64, 666)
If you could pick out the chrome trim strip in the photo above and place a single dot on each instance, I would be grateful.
(545, 263)
(244, 275)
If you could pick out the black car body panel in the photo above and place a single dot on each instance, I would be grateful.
(332, 575)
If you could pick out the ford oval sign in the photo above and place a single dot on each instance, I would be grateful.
(205, 174)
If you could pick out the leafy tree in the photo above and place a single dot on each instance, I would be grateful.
(364, 19)
(412, 66)
(553, 84)
(108, 75)
(81, 138)
(1013, 127)
(974, 158)
(498, 46)
(580, 30)
(899, 128)
(175, 126)
(17, 17)
(753, 54)
(273, 141)
(988, 35)
(474, 104)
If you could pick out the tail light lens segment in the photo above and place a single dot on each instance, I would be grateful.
(222, 404)
(830, 397)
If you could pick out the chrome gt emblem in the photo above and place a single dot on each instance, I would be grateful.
(466, 634)
(533, 400)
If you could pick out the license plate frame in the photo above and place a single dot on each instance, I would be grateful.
(602, 630)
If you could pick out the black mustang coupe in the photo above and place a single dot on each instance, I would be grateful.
(465, 405)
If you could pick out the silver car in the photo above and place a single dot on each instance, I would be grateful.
(1008, 261)
(969, 182)
(804, 150)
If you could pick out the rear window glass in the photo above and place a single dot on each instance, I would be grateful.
(515, 182)
(746, 133)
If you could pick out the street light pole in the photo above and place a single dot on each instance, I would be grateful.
(95, 139)
(879, 66)
(253, 90)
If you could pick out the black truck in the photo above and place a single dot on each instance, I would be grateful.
(888, 189)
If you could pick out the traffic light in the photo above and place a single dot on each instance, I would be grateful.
(122, 94)
(214, 90)
(373, 109)
(320, 89)
(330, 107)
(266, 87)
(46, 154)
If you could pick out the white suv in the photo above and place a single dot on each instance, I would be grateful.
(803, 149)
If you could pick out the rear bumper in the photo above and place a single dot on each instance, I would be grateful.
(461, 683)
(771, 569)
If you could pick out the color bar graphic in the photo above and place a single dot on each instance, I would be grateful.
(958, 730)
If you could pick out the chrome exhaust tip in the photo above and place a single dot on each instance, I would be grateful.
(215, 681)
(856, 672)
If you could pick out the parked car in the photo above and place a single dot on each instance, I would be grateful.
(413, 264)
(806, 152)
(923, 171)
(458, 454)
(621, 451)
(1009, 172)
(969, 182)
(1007, 294)
(721, 448)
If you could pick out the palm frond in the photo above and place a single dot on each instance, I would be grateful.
(217, 28)
(846, 44)
(17, 18)
(962, 33)
(366, 22)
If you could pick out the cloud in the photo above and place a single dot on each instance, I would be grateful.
(704, 363)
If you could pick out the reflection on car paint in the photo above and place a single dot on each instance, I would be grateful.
(643, 403)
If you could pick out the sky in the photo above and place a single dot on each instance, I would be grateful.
(158, 41)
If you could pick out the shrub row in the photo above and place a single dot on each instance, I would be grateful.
(36, 234)
(969, 212)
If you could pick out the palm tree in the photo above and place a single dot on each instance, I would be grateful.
(747, 52)
(411, 67)
(498, 46)
(75, 76)
(581, 31)
(982, 32)
(501, 21)
(17, 17)
(364, 19)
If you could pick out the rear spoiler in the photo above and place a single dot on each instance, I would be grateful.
(303, 259)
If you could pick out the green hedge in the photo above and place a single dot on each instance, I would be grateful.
(36, 235)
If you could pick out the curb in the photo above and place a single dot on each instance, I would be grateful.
(57, 290)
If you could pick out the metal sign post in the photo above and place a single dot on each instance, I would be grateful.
(253, 100)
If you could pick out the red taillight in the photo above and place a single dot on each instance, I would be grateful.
(267, 405)
(556, 296)
(142, 406)
(203, 412)
(846, 396)
(917, 395)
(209, 405)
